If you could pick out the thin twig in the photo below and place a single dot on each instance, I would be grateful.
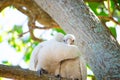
(116, 4)
(37, 27)
(31, 25)
(23, 33)
(109, 18)
(108, 2)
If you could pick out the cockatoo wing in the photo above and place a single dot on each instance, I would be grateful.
(51, 55)
(34, 56)
(33, 59)
(73, 68)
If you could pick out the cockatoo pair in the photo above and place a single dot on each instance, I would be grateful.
(59, 56)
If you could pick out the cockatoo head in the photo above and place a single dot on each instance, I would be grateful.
(69, 39)
(59, 37)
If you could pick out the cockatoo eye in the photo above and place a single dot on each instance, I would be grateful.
(64, 40)
(72, 40)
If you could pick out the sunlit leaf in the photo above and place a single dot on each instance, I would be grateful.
(1, 39)
(27, 56)
(119, 2)
(91, 77)
(59, 30)
(94, 6)
(98, 8)
(3, 12)
(113, 31)
(6, 62)
(112, 5)
(18, 29)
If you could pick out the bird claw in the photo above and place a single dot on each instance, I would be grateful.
(76, 79)
(58, 76)
(42, 71)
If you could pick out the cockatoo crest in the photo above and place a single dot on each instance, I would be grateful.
(59, 37)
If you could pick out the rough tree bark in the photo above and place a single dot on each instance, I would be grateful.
(18, 73)
(99, 48)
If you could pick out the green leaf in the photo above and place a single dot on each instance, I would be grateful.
(1, 39)
(112, 5)
(27, 56)
(119, 2)
(18, 29)
(59, 30)
(94, 6)
(6, 62)
(28, 53)
(98, 8)
(113, 31)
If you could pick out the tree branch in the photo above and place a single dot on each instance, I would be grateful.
(109, 18)
(94, 0)
(110, 13)
(34, 12)
(16, 72)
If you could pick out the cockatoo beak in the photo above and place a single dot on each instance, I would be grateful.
(69, 41)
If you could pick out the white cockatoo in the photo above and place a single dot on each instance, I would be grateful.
(74, 68)
(33, 61)
(58, 57)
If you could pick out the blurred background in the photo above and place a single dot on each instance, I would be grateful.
(16, 44)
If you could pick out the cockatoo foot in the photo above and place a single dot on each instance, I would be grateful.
(58, 76)
(42, 71)
(76, 79)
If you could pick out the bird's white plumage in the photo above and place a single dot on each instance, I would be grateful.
(56, 52)
(59, 37)
(33, 60)
(48, 55)
(74, 68)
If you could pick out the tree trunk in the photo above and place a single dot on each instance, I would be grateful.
(100, 50)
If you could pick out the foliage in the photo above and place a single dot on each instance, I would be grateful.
(20, 40)
(107, 11)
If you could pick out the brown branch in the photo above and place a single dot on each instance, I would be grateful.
(4, 3)
(20, 8)
(109, 18)
(17, 73)
(32, 11)
(32, 8)
(94, 0)
(31, 25)
(116, 4)
(37, 27)
(110, 14)
(23, 33)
